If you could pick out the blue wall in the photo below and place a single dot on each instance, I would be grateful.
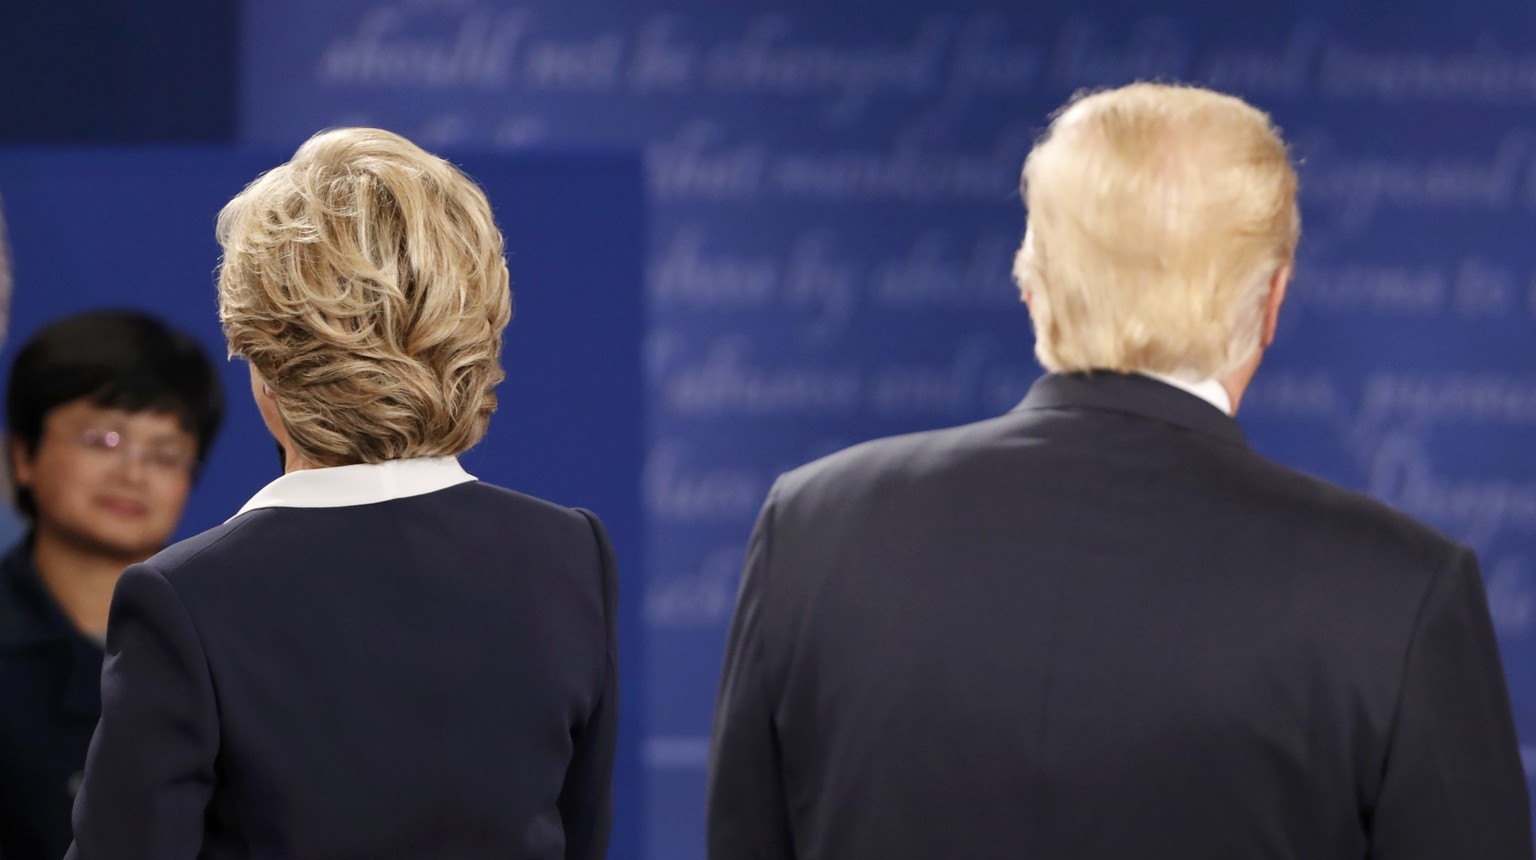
(118, 70)
(833, 205)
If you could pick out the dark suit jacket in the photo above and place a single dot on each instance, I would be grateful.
(50, 699)
(1101, 627)
(432, 676)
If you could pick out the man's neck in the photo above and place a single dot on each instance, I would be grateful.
(80, 581)
(1237, 379)
(1211, 391)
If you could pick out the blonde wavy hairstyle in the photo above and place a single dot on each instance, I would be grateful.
(1158, 215)
(365, 282)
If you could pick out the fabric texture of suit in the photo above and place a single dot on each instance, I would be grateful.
(50, 699)
(430, 676)
(1101, 626)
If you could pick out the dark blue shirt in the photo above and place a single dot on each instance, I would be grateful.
(50, 700)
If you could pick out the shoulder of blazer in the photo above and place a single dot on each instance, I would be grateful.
(1348, 516)
(894, 456)
(520, 502)
(251, 526)
(176, 556)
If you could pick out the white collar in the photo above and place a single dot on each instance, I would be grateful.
(1209, 390)
(362, 484)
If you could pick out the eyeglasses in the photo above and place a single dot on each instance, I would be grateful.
(167, 457)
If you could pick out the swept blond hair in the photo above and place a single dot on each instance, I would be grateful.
(365, 281)
(1157, 216)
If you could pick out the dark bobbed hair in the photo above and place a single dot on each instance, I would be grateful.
(117, 359)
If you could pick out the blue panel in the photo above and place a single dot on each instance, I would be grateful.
(114, 71)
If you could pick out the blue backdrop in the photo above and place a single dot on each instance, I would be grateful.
(832, 207)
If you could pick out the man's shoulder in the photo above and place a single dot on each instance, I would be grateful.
(1343, 516)
(896, 459)
(1243, 484)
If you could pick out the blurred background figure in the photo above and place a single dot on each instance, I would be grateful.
(409, 662)
(109, 416)
(10, 525)
(6, 277)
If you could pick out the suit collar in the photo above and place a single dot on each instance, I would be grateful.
(361, 484)
(1209, 390)
(1135, 395)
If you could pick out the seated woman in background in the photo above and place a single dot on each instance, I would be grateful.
(110, 415)
(378, 656)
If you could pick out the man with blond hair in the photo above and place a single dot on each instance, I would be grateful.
(1100, 626)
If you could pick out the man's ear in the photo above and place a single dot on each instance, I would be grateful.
(1277, 284)
(1021, 260)
(21, 461)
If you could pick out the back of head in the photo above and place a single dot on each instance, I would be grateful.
(118, 360)
(1157, 216)
(365, 281)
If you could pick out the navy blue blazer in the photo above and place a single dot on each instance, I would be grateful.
(431, 676)
(50, 699)
(1101, 627)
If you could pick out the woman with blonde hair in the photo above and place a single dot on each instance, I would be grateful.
(378, 655)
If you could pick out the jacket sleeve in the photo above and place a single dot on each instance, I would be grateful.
(586, 800)
(748, 815)
(1453, 785)
(150, 770)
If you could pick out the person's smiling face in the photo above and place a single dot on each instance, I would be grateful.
(106, 480)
